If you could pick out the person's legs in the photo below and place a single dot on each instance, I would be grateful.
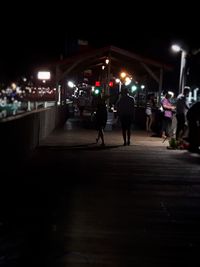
(168, 126)
(150, 122)
(98, 136)
(101, 134)
(129, 135)
(147, 123)
(180, 125)
(124, 135)
(164, 127)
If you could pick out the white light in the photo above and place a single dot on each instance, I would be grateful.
(107, 61)
(176, 48)
(44, 75)
(127, 81)
(117, 80)
(142, 86)
(71, 84)
(103, 67)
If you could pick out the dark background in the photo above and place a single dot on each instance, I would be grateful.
(33, 34)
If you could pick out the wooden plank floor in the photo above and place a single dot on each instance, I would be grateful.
(82, 205)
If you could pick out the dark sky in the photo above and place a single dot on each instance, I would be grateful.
(34, 35)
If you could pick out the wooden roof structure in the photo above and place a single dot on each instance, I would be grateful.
(118, 58)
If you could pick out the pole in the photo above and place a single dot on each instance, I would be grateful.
(182, 72)
(120, 87)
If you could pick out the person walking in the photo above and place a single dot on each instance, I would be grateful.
(101, 118)
(125, 109)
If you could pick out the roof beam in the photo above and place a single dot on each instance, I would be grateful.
(152, 74)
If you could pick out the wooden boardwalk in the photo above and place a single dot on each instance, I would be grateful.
(137, 205)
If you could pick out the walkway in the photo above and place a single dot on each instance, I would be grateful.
(77, 204)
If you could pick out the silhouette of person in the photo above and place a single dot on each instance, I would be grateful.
(193, 117)
(125, 109)
(101, 118)
(181, 111)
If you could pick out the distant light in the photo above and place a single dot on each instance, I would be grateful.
(127, 81)
(123, 74)
(44, 75)
(111, 84)
(97, 83)
(71, 84)
(117, 80)
(107, 61)
(93, 88)
(14, 86)
(133, 88)
(103, 67)
(96, 91)
(176, 48)
(142, 86)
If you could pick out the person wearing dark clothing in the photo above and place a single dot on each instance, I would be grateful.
(101, 118)
(193, 117)
(125, 109)
(181, 111)
(167, 116)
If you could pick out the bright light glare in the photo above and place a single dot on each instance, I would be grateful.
(117, 80)
(127, 81)
(123, 74)
(133, 88)
(70, 84)
(176, 48)
(142, 86)
(44, 75)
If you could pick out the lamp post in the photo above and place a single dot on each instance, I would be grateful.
(177, 48)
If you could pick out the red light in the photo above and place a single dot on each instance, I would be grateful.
(97, 83)
(111, 84)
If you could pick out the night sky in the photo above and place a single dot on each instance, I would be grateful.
(36, 36)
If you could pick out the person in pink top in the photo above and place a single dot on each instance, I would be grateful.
(167, 116)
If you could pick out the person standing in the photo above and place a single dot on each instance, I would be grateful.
(149, 116)
(167, 116)
(125, 109)
(193, 117)
(81, 104)
(182, 107)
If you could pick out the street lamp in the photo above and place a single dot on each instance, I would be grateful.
(177, 48)
(120, 84)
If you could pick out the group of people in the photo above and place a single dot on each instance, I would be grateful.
(180, 108)
(187, 117)
(125, 109)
